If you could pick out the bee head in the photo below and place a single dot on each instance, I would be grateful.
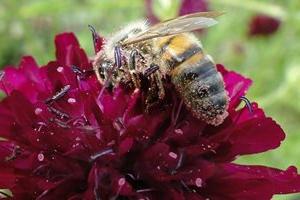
(104, 69)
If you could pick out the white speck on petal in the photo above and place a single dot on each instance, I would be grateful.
(41, 157)
(198, 182)
(173, 155)
(178, 131)
(121, 181)
(38, 111)
(60, 69)
(71, 100)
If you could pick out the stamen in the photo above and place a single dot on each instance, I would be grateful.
(88, 129)
(59, 123)
(185, 186)
(175, 117)
(248, 103)
(118, 124)
(58, 113)
(15, 152)
(180, 160)
(77, 70)
(145, 190)
(121, 183)
(96, 187)
(100, 154)
(131, 176)
(59, 94)
(41, 125)
(77, 121)
(81, 73)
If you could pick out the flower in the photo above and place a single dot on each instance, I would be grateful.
(263, 25)
(191, 6)
(63, 141)
(186, 7)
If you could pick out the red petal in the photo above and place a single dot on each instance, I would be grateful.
(248, 133)
(252, 182)
(235, 84)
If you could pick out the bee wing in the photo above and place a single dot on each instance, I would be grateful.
(175, 26)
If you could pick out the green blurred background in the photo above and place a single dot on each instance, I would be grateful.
(273, 63)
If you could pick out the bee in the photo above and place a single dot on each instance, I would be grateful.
(169, 49)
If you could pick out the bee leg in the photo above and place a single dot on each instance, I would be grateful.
(132, 68)
(118, 64)
(152, 96)
(150, 70)
(159, 83)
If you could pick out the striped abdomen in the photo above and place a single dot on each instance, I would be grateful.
(195, 77)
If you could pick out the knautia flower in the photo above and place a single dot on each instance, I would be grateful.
(263, 25)
(62, 141)
(185, 7)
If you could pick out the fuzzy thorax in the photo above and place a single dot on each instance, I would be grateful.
(129, 31)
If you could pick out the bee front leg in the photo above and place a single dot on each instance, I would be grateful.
(159, 83)
(132, 68)
(153, 69)
(152, 98)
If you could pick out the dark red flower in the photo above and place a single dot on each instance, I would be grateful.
(150, 13)
(263, 25)
(64, 142)
(191, 6)
(186, 7)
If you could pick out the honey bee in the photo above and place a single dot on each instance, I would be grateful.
(167, 49)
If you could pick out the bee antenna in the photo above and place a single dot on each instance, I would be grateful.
(118, 58)
(248, 103)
